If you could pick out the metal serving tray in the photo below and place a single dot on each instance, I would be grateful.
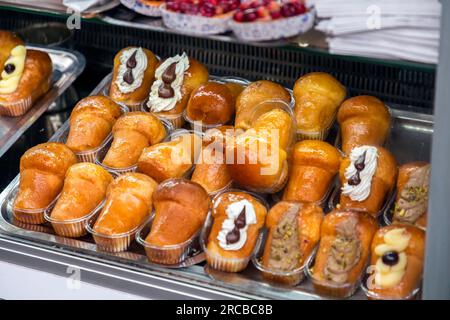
(416, 128)
(67, 66)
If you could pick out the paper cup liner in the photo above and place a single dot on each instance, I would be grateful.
(195, 24)
(273, 29)
(29, 216)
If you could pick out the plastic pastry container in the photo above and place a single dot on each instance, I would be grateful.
(142, 8)
(90, 155)
(372, 295)
(20, 107)
(329, 288)
(215, 260)
(333, 202)
(289, 278)
(195, 24)
(112, 243)
(273, 29)
(28, 216)
(169, 254)
(130, 106)
(73, 228)
(100, 155)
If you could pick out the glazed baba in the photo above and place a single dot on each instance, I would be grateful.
(237, 218)
(25, 75)
(363, 120)
(91, 121)
(132, 133)
(314, 165)
(133, 76)
(318, 96)
(42, 172)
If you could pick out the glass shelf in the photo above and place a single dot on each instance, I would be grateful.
(313, 41)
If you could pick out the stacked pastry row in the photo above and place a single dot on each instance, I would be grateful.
(53, 185)
(25, 75)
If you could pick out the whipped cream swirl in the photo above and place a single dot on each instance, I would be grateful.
(233, 211)
(137, 71)
(156, 103)
(360, 172)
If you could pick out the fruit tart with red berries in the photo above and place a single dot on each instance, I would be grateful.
(199, 16)
(145, 7)
(263, 20)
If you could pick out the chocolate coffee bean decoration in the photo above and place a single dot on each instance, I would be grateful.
(9, 68)
(359, 163)
(166, 91)
(169, 75)
(233, 236)
(354, 179)
(131, 62)
(240, 220)
(128, 76)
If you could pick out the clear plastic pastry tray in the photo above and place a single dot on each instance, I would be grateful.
(67, 66)
(410, 140)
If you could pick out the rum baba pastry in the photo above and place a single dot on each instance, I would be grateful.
(367, 177)
(133, 76)
(314, 165)
(91, 122)
(211, 103)
(318, 96)
(212, 172)
(42, 171)
(397, 262)
(343, 252)
(238, 218)
(128, 203)
(254, 94)
(294, 232)
(175, 79)
(84, 189)
(172, 159)
(181, 207)
(411, 204)
(25, 75)
(133, 132)
(260, 154)
(363, 120)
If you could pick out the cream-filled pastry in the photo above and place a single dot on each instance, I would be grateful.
(12, 70)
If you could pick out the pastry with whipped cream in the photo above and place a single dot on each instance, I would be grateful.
(181, 207)
(134, 73)
(411, 204)
(396, 262)
(367, 176)
(25, 75)
(343, 252)
(294, 232)
(175, 79)
(237, 218)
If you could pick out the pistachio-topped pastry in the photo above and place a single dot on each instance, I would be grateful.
(412, 194)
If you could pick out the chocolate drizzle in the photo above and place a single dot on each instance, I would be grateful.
(169, 75)
(131, 64)
(359, 166)
(234, 235)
